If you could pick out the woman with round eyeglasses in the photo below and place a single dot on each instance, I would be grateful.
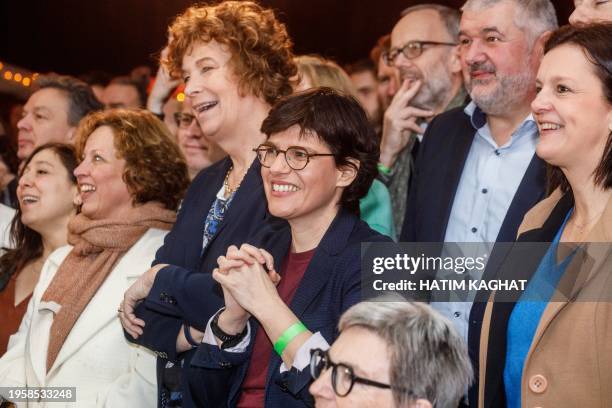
(414, 358)
(296, 157)
(286, 297)
(314, 71)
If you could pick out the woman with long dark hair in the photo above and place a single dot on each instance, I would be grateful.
(551, 347)
(46, 192)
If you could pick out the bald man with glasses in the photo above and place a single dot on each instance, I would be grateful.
(424, 52)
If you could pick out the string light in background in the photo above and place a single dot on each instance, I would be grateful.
(24, 79)
(180, 96)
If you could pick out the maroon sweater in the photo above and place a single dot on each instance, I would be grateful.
(254, 385)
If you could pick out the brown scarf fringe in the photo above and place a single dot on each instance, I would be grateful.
(98, 245)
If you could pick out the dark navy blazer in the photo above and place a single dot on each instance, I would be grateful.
(439, 166)
(185, 292)
(331, 284)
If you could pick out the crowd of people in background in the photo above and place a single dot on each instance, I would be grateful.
(205, 251)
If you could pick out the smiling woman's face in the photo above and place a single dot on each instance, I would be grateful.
(572, 113)
(212, 88)
(310, 192)
(45, 191)
(104, 194)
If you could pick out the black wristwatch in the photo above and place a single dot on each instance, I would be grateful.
(227, 340)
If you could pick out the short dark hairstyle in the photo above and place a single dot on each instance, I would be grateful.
(81, 99)
(339, 121)
(139, 86)
(594, 40)
(363, 65)
(27, 243)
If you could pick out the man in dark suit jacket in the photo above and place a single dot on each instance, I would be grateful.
(424, 53)
(477, 173)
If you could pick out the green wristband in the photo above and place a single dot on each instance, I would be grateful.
(287, 336)
(384, 169)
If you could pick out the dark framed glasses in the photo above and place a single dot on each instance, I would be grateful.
(342, 376)
(296, 157)
(411, 50)
(183, 120)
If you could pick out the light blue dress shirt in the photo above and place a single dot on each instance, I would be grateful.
(490, 178)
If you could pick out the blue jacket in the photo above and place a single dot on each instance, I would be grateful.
(185, 292)
(331, 284)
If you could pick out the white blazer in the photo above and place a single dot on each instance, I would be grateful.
(6, 217)
(105, 368)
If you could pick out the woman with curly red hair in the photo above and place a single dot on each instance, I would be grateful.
(236, 60)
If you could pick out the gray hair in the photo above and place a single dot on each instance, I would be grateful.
(81, 99)
(428, 359)
(450, 16)
(534, 16)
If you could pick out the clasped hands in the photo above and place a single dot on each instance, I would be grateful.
(249, 280)
(247, 287)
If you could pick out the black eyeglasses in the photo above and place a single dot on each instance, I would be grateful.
(183, 120)
(342, 376)
(296, 157)
(411, 50)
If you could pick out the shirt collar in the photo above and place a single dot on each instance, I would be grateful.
(479, 119)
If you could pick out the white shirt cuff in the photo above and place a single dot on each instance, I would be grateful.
(302, 357)
(209, 338)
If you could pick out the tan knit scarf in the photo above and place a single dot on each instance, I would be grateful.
(98, 245)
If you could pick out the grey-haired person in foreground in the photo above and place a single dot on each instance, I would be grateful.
(392, 354)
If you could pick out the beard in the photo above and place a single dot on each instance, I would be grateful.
(507, 91)
(434, 90)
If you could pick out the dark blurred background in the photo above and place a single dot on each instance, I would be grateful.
(77, 36)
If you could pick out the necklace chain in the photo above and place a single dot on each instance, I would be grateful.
(588, 222)
(229, 191)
